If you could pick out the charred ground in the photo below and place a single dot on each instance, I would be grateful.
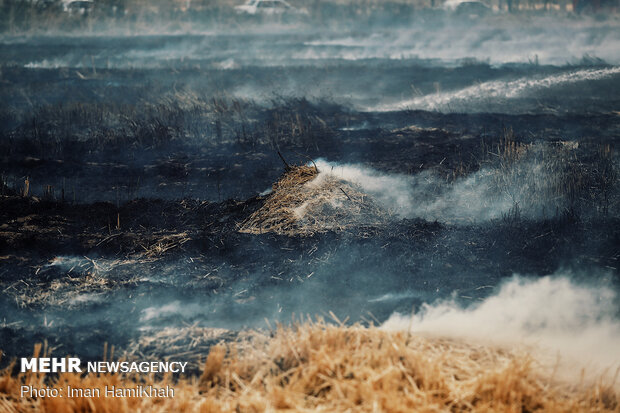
(129, 163)
(116, 260)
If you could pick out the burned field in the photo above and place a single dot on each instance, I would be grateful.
(164, 193)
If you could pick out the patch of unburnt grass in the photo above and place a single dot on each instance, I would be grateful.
(318, 366)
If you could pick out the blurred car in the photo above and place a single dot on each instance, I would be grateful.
(268, 7)
(79, 7)
(472, 9)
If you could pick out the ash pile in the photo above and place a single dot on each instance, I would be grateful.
(306, 201)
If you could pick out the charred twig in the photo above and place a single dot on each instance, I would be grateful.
(287, 167)
(310, 159)
(345, 194)
(109, 237)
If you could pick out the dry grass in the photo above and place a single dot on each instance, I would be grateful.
(305, 201)
(277, 214)
(188, 343)
(315, 367)
(554, 178)
(83, 280)
(164, 243)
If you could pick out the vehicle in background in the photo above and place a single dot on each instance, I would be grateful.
(268, 7)
(472, 9)
(82, 7)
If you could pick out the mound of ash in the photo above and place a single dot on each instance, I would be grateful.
(306, 201)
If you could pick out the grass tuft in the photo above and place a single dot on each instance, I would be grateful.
(317, 366)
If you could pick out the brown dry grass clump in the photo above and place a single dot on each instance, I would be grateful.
(305, 201)
(316, 367)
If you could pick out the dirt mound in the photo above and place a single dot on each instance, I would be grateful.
(305, 201)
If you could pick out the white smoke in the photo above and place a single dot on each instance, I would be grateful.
(393, 191)
(553, 315)
(173, 309)
(82, 264)
(475, 198)
(51, 64)
(496, 39)
(498, 90)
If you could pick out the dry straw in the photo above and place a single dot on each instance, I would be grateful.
(321, 367)
(305, 201)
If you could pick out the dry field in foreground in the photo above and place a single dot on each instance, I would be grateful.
(315, 366)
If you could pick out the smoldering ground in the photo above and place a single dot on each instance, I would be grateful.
(158, 116)
(445, 239)
(488, 141)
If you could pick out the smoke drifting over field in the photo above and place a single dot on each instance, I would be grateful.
(440, 37)
(498, 40)
(426, 196)
(530, 187)
(557, 314)
(472, 148)
(502, 95)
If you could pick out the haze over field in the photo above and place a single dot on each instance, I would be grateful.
(173, 178)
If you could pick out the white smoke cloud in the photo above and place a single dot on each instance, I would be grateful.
(393, 191)
(497, 39)
(498, 90)
(172, 309)
(472, 199)
(553, 315)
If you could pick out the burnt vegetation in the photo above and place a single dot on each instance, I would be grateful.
(165, 193)
(117, 182)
